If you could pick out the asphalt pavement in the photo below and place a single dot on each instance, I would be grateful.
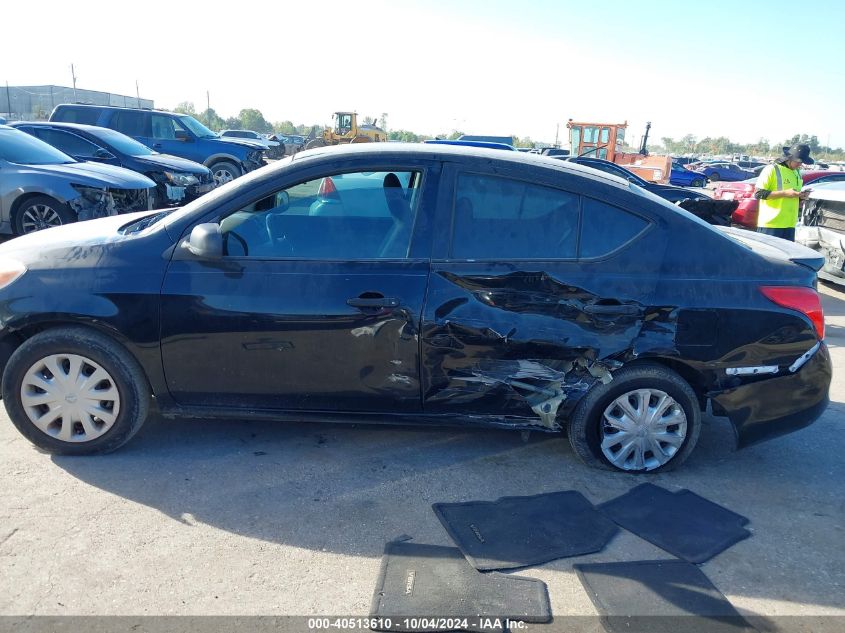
(236, 518)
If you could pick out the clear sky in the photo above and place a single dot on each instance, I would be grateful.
(745, 69)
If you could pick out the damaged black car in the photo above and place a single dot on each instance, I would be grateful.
(423, 284)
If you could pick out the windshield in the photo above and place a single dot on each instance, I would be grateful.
(19, 147)
(123, 143)
(196, 127)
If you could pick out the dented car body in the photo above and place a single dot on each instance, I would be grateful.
(494, 312)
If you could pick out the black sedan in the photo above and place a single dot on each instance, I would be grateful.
(178, 180)
(412, 283)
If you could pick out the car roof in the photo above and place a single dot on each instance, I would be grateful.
(73, 126)
(436, 151)
(111, 107)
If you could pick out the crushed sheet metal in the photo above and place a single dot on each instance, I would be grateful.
(801, 361)
(752, 371)
(555, 384)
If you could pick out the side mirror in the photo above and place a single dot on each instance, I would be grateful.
(206, 241)
(181, 135)
(103, 154)
(282, 201)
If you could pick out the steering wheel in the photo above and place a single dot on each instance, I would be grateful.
(238, 238)
(281, 245)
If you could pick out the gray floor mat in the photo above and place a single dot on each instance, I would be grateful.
(682, 523)
(517, 532)
(419, 582)
(664, 596)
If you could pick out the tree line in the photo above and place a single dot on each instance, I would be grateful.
(690, 144)
(253, 119)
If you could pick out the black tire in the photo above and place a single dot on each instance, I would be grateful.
(124, 371)
(314, 143)
(585, 425)
(714, 177)
(699, 183)
(61, 210)
(223, 167)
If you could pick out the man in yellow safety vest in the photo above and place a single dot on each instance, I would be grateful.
(779, 190)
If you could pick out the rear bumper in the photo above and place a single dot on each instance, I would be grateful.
(781, 404)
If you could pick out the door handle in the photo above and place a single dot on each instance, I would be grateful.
(156, 145)
(612, 309)
(373, 302)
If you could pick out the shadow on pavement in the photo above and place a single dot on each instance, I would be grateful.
(351, 489)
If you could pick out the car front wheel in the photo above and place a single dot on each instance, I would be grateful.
(42, 212)
(698, 183)
(224, 172)
(72, 391)
(647, 419)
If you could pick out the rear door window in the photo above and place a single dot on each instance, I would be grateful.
(606, 228)
(68, 142)
(129, 122)
(501, 218)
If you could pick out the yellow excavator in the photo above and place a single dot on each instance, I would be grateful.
(345, 129)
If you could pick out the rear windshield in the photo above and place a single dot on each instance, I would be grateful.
(23, 149)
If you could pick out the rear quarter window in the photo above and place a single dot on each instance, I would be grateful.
(86, 116)
(606, 228)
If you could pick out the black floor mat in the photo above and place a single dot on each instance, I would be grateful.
(682, 523)
(662, 596)
(521, 531)
(420, 584)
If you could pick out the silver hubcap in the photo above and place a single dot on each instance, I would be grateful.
(642, 429)
(38, 217)
(70, 397)
(222, 176)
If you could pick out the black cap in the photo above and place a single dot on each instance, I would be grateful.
(798, 152)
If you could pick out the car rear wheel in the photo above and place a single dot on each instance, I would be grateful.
(647, 419)
(224, 172)
(71, 391)
(714, 177)
(42, 212)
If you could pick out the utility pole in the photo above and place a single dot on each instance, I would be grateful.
(207, 102)
(73, 74)
(137, 93)
(8, 99)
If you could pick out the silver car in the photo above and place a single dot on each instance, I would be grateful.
(41, 187)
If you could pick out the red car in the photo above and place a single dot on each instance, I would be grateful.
(743, 192)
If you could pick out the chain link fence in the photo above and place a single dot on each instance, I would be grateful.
(27, 103)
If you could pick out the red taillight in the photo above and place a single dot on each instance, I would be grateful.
(327, 189)
(804, 300)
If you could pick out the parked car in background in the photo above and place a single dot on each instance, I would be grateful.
(273, 147)
(685, 160)
(822, 227)
(41, 187)
(178, 180)
(293, 142)
(748, 206)
(714, 172)
(667, 192)
(683, 177)
(494, 288)
(171, 133)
